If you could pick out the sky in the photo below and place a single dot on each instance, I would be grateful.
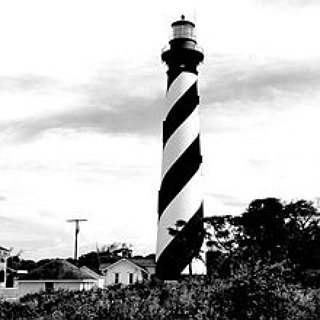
(82, 95)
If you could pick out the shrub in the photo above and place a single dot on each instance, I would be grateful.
(255, 291)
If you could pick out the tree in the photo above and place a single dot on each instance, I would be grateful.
(303, 234)
(222, 233)
(105, 254)
(16, 263)
(177, 231)
(269, 230)
(115, 250)
(90, 260)
(263, 229)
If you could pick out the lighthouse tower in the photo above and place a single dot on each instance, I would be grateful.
(180, 207)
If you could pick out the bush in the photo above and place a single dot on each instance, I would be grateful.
(254, 291)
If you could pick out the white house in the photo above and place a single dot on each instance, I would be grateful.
(54, 275)
(127, 271)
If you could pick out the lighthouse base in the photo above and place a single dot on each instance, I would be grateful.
(182, 249)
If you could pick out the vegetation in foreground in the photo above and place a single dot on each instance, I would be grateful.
(253, 292)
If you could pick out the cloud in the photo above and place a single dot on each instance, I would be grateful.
(133, 116)
(112, 100)
(289, 3)
(245, 80)
(229, 201)
(243, 94)
(3, 198)
(115, 102)
(23, 231)
(26, 82)
(30, 234)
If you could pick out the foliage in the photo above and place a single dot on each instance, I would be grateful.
(221, 232)
(115, 249)
(255, 291)
(91, 260)
(303, 234)
(263, 230)
(270, 230)
(17, 263)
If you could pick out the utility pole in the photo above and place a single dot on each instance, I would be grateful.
(77, 229)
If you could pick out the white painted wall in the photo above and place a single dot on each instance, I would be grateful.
(124, 268)
(37, 286)
(74, 286)
(9, 294)
(101, 282)
(30, 287)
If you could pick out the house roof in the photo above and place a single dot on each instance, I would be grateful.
(58, 270)
(4, 249)
(144, 262)
(105, 267)
(90, 272)
(139, 262)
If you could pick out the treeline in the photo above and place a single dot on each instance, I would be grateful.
(105, 254)
(269, 231)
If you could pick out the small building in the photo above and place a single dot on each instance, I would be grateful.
(4, 255)
(56, 275)
(127, 271)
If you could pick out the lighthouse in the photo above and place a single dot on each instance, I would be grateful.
(180, 205)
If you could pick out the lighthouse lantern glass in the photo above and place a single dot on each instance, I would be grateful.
(184, 31)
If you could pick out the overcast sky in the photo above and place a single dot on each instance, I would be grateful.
(82, 91)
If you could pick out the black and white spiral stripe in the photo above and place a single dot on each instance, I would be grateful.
(180, 196)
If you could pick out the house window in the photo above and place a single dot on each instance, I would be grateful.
(116, 277)
(130, 278)
(2, 276)
(48, 286)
